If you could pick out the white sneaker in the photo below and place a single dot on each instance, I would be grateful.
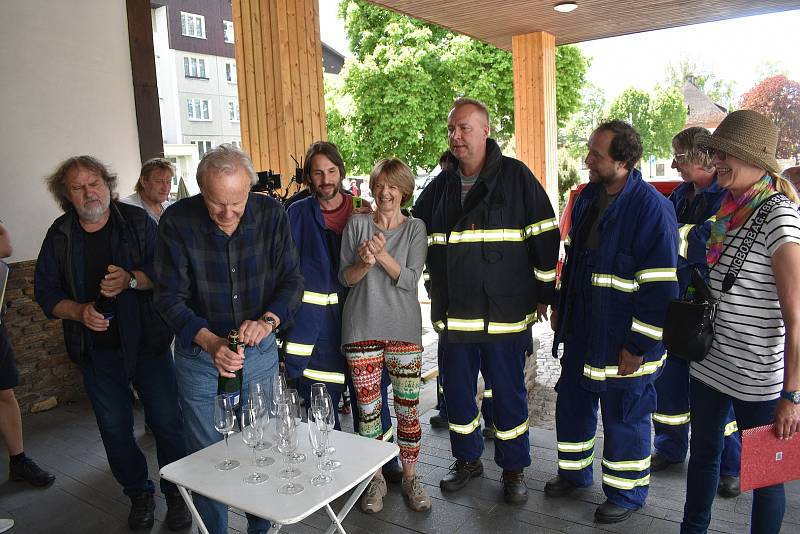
(6, 524)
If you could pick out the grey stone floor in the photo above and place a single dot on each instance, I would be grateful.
(85, 498)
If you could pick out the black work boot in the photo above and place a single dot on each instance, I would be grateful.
(608, 513)
(460, 473)
(558, 487)
(178, 515)
(142, 507)
(437, 421)
(31, 473)
(728, 487)
(514, 489)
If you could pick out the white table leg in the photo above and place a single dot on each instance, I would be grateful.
(336, 520)
(192, 509)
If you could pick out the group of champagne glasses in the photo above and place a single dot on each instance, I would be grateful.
(286, 411)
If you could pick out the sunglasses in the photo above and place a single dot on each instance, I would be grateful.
(711, 152)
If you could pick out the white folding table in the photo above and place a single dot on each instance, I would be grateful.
(360, 458)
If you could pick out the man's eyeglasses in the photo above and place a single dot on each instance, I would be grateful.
(681, 156)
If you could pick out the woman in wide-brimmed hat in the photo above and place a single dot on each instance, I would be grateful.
(754, 362)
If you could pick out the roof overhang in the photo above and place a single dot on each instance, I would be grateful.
(496, 21)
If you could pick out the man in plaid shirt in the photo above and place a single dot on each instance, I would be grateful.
(225, 260)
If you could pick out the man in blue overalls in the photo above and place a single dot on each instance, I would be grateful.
(618, 278)
(695, 201)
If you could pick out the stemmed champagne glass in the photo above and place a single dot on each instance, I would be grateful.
(224, 419)
(292, 400)
(258, 397)
(251, 434)
(279, 388)
(287, 443)
(319, 444)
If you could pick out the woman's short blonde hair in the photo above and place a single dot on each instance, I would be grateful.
(396, 173)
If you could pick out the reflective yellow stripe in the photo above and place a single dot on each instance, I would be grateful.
(507, 328)
(468, 428)
(387, 435)
(437, 239)
(656, 275)
(568, 240)
(731, 427)
(625, 483)
(540, 227)
(465, 325)
(487, 393)
(513, 433)
(631, 465)
(653, 332)
(439, 326)
(299, 349)
(323, 376)
(575, 465)
(674, 420)
(544, 276)
(611, 371)
(566, 446)
(486, 236)
(320, 299)
(683, 240)
(614, 282)
(426, 276)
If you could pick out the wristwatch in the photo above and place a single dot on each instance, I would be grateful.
(791, 396)
(133, 283)
(270, 320)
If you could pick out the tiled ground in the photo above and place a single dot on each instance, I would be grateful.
(85, 499)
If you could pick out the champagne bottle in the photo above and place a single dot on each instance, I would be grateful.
(232, 387)
(105, 306)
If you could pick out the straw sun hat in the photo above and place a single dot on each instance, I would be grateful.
(747, 135)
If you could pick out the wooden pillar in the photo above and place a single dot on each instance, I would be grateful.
(143, 71)
(534, 56)
(279, 70)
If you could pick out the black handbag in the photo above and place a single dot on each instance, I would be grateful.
(689, 324)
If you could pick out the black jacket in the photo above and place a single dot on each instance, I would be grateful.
(59, 276)
(492, 260)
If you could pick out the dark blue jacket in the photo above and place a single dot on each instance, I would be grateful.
(694, 227)
(313, 343)
(59, 275)
(617, 296)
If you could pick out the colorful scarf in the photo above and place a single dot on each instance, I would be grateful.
(733, 213)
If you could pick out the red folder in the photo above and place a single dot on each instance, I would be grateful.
(767, 460)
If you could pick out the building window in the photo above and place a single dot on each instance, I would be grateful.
(202, 147)
(660, 169)
(230, 72)
(198, 109)
(227, 31)
(194, 67)
(233, 111)
(193, 25)
(236, 144)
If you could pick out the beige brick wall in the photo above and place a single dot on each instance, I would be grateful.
(47, 376)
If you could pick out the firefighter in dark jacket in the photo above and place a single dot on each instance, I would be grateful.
(618, 278)
(492, 249)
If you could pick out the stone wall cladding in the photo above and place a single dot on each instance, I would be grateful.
(47, 376)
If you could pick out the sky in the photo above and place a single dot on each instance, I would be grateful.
(736, 50)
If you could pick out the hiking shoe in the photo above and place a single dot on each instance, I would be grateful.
(141, 515)
(31, 473)
(372, 499)
(178, 515)
(514, 489)
(415, 495)
(460, 473)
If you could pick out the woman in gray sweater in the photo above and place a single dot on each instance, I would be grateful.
(382, 258)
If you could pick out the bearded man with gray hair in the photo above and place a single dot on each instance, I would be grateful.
(101, 250)
(225, 260)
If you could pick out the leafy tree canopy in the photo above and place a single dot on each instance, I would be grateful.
(396, 95)
(778, 98)
(657, 118)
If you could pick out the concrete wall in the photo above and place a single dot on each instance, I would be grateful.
(66, 89)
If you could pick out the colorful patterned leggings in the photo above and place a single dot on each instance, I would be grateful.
(404, 363)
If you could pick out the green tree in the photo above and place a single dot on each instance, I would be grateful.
(575, 135)
(568, 176)
(657, 119)
(719, 91)
(404, 78)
